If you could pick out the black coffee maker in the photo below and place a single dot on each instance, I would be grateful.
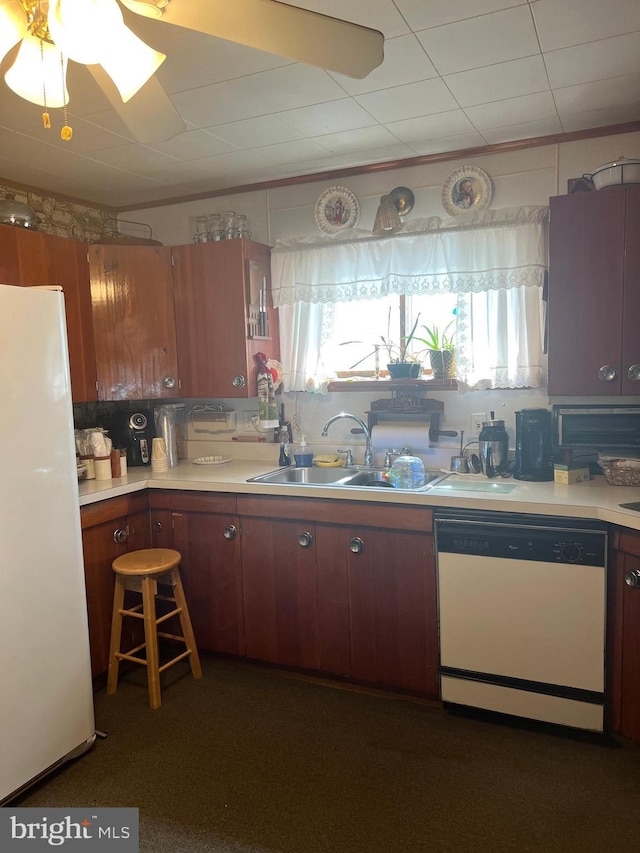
(534, 448)
(133, 432)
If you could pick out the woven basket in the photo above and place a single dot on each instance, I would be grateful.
(619, 475)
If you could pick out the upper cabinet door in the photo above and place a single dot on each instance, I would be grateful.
(134, 322)
(631, 307)
(223, 301)
(586, 287)
(32, 258)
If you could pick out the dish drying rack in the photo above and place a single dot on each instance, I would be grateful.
(114, 232)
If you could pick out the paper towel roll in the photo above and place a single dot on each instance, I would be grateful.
(399, 434)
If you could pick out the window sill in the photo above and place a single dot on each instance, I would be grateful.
(371, 384)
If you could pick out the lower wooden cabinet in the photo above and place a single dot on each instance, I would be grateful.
(335, 587)
(624, 636)
(204, 528)
(109, 528)
(352, 592)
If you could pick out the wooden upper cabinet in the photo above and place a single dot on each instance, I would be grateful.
(594, 293)
(134, 322)
(219, 288)
(32, 258)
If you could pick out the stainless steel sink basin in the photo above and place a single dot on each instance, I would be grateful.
(302, 476)
(359, 477)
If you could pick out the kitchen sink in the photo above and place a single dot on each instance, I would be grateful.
(359, 477)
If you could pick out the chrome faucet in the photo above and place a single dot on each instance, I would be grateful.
(368, 456)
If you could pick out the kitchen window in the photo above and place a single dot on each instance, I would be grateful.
(490, 267)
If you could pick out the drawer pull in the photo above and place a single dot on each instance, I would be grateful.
(230, 531)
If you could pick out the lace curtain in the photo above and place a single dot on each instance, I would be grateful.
(499, 338)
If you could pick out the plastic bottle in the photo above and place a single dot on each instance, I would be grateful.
(407, 472)
(303, 454)
(285, 449)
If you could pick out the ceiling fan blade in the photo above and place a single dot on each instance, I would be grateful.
(149, 115)
(287, 31)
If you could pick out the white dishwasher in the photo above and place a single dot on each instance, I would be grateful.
(522, 612)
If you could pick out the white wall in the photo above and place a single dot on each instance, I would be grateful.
(524, 177)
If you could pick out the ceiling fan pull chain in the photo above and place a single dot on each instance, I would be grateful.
(67, 132)
(46, 118)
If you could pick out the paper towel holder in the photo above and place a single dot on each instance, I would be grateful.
(434, 429)
(409, 407)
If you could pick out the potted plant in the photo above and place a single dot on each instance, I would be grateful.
(442, 352)
(401, 362)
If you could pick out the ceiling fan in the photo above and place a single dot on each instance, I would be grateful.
(93, 33)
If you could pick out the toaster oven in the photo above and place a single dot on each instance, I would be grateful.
(614, 428)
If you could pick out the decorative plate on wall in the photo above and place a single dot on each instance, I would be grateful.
(468, 188)
(336, 210)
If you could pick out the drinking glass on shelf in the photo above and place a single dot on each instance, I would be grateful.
(202, 229)
(230, 224)
(216, 227)
(243, 226)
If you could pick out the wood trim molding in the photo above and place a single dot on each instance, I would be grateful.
(419, 160)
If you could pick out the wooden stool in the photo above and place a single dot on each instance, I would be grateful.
(141, 571)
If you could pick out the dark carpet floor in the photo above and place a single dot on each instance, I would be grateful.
(252, 761)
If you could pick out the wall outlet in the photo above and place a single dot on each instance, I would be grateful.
(248, 421)
(476, 423)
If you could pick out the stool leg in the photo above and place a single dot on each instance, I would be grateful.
(185, 623)
(116, 632)
(151, 641)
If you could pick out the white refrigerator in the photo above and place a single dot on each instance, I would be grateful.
(46, 697)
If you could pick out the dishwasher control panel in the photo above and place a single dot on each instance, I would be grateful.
(536, 542)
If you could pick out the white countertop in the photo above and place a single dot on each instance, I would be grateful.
(595, 499)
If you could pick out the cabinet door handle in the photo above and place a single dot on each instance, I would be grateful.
(169, 382)
(356, 545)
(157, 526)
(607, 373)
(634, 373)
(230, 531)
(120, 535)
(305, 539)
(239, 381)
(632, 578)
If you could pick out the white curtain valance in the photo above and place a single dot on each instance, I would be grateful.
(475, 252)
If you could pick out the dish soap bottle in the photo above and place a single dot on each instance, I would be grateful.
(303, 454)
(407, 472)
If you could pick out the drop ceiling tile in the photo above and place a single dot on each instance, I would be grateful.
(450, 123)
(191, 145)
(290, 152)
(597, 60)
(496, 82)
(177, 173)
(110, 120)
(380, 14)
(231, 163)
(133, 158)
(512, 111)
(599, 118)
(404, 62)
(562, 23)
(253, 132)
(486, 40)
(350, 141)
(523, 130)
(381, 155)
(421, 15)
(449, 143)
(325, 118)
(618, 91)
(410, 101)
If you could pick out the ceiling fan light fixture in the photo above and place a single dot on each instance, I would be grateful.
(13, 26)
(147, 8)
(38, 73)
(132, 64)
(387, 218)
(85, 30)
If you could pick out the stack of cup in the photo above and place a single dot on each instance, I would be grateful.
(159, 458)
